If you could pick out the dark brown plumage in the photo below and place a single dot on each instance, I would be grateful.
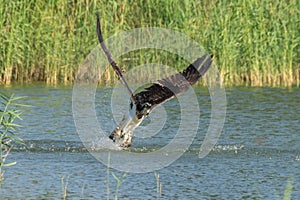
(176, 84)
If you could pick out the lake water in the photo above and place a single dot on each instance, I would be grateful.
(256, 154)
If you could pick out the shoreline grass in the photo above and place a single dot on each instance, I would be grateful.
(9, 114)
(255, 43)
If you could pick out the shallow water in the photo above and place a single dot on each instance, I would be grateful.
(256, 154)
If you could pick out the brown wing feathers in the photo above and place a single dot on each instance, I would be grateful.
(169, 87)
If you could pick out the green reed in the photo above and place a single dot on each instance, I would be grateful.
(9, 113)
(288, 189)
(254, 42)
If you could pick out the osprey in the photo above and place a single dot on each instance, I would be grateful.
(142, 103)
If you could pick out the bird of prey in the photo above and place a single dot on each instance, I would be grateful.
(142, 103)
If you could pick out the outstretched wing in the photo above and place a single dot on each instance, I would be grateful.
(169, 87)
(111, 61)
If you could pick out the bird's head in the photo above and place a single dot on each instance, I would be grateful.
(123, 138)
(124, 132)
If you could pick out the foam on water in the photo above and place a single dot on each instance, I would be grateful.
(103, 144)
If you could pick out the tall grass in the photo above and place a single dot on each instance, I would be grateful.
(9, 113)
(255, 42)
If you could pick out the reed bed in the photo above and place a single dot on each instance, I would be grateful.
(254, 42)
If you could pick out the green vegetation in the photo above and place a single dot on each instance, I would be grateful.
(255, 42)
(119, 180)
(288, 189)
(64, 187)
(158, 185)
(8, 114)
